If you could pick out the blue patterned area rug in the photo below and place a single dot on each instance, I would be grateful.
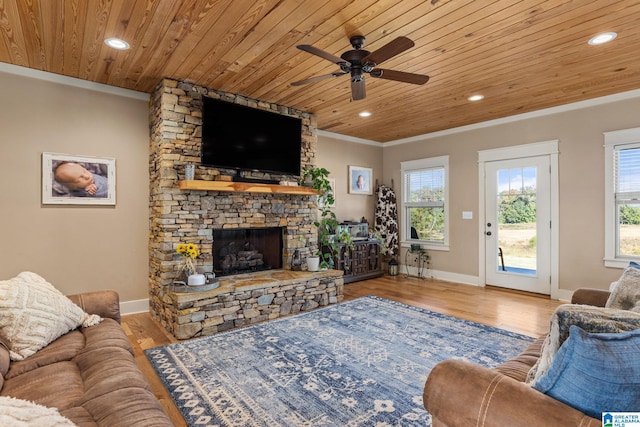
(358, 363)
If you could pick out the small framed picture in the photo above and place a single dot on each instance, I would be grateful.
(78, 180)
(360, 180)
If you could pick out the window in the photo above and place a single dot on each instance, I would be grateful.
(425, 202)
(622, 197)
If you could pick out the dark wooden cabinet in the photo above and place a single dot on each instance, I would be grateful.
(364, 261)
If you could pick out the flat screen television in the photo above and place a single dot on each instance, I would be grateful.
(245, 138)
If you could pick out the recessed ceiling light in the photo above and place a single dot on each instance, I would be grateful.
(364, 114)
(475, 97)
(602, 38)
(116, 43)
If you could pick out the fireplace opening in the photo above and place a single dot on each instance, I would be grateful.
(245, 250)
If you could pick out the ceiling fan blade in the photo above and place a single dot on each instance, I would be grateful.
(400, 76)
(358, 90)
(322, 54)
(318, 78)
(393, 48)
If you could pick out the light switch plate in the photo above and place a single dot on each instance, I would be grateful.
(467, 215)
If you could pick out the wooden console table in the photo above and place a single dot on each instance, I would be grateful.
(362, 262)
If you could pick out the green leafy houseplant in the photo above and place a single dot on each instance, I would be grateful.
(327, 223)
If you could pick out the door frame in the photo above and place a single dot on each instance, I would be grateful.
(544, 148)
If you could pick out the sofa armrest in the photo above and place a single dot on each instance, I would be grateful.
(588, 296)
(459, 394)
(103, 303)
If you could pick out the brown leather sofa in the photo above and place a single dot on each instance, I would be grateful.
(88, 374)
(459, 394)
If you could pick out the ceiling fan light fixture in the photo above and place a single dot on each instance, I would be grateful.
(475, 97)
(116, 43)
(358, 61)
(602, 38)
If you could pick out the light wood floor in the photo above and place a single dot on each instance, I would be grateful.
(515, 311)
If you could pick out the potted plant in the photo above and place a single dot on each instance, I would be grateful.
(189, 253)
(329, 239)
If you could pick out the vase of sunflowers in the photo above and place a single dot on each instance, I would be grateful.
(189, 253)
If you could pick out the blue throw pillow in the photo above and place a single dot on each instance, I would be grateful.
(596, 373)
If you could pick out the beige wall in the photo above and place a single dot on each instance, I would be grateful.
(336, 155)
(581, 185)
(80, 248)
(77, 248)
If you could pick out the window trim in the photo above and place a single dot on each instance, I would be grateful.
(614, 141)
(415, 165)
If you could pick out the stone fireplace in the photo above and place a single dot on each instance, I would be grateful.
(199, 215)
(246, 250)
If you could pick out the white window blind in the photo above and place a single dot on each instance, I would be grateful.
(426, 186)
(627, 173)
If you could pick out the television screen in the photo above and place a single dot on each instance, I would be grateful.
(239, 137)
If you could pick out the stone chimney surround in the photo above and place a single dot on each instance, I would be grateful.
(179, 215)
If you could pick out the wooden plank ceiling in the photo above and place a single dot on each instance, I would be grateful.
(522, 55)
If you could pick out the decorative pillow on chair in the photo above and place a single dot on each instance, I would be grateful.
(596, 373)
(33, 313)
(625, 294)
(16, 412)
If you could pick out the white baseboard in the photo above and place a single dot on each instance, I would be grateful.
(134, 307)
(443, 275)
(563, 294)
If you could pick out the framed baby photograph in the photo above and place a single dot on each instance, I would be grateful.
(360, 180)
(78, 180)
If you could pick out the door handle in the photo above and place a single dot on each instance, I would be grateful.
(488, 233)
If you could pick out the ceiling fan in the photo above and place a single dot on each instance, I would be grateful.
(359, 61)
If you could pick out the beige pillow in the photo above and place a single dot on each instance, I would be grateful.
(22, 413)
(33, 313)
(625, 295)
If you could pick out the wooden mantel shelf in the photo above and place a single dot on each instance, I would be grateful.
(245, 187)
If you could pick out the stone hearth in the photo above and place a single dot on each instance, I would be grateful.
(250, 298)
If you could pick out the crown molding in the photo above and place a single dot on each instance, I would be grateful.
(622, 96)
(72, 81)
(349, 138)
